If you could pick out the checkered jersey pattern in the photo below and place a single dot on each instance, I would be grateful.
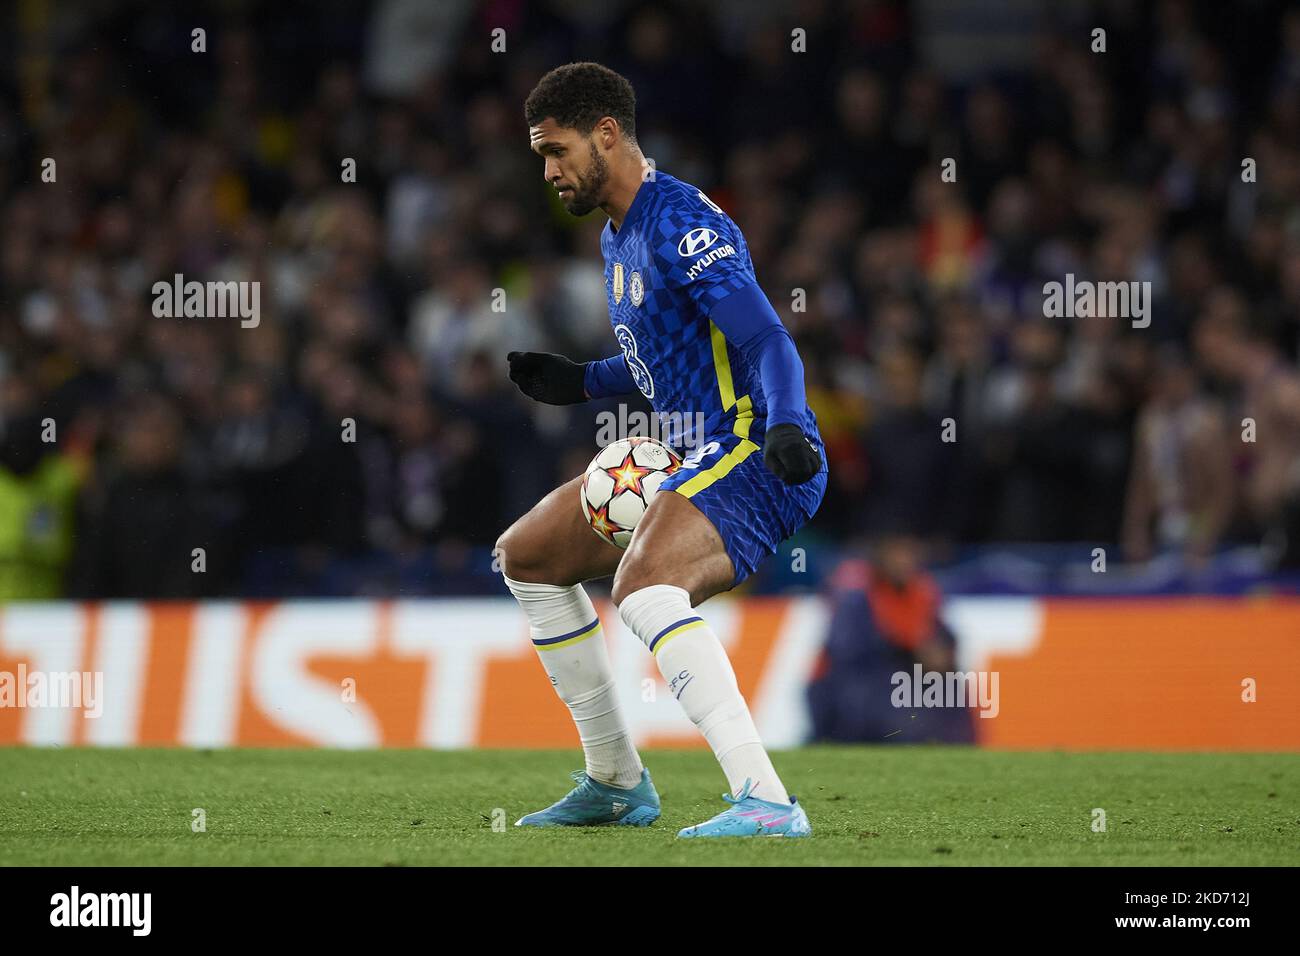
(675, 256)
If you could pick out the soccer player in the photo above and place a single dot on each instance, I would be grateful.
(697, 336)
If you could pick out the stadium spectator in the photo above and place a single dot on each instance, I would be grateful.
(146, 516)
(38, 493)
(884, 621)
(1180, 492)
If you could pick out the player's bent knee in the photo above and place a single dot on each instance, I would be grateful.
(628, 580)
(527, 553)
(637, 571)
(520, 558)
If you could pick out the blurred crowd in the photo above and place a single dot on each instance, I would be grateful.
(137, 450)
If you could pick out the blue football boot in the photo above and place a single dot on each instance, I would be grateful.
(593, 804)
(749, 816)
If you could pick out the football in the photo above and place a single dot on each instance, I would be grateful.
(620, 483)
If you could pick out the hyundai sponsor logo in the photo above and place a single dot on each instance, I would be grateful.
(703, 262)
(695, 242)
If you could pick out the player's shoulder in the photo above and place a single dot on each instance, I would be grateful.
(680, 200)
(687, 221)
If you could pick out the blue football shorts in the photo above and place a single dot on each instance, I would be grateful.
(753, 510)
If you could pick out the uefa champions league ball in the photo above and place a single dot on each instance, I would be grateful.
(620, 483)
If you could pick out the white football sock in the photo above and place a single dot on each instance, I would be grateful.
(699, 675)
(571, 645)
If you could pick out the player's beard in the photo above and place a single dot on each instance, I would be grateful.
(587, 193)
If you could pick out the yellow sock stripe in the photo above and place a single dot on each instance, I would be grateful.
(569, 642)
(673, 633)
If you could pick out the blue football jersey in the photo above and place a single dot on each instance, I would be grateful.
(675, 256)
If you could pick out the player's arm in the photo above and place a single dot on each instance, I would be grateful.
(608, 378)
(750, 323)
(556, 380)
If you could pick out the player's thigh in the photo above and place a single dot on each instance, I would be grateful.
(675, 544)
(553, 544)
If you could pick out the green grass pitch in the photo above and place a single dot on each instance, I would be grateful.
(868, 805)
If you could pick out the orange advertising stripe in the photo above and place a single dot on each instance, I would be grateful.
(253, 728)
(10, 717)
(520, 707)
(171, 637)
(759, 626)
(1153, 674)
(389, 686)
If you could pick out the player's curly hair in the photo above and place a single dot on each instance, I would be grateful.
(578, 95)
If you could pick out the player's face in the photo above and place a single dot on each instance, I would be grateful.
(574, 166)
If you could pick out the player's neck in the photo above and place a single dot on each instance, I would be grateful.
(625, 181)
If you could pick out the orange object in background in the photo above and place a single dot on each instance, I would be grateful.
(1167, 674)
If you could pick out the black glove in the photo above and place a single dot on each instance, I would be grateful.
(789, 454)
(548, 378)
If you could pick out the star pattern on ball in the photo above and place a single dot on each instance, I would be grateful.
(601, 523)
(627, 476)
